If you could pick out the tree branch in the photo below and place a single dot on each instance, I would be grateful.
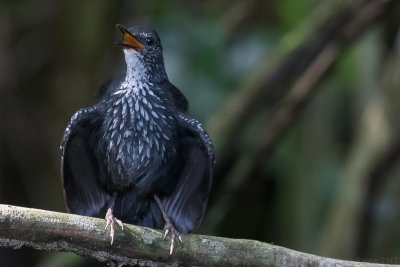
(85, 236)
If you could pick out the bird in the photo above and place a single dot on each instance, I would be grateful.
(137, 155)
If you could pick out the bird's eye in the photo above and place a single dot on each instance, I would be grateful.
(149, 41)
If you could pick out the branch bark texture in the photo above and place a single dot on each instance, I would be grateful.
(85, 236)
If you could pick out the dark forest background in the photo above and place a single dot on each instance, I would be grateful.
(301, 99)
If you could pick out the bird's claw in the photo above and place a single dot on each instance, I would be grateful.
(169, 228)
(110, 223)
(166, 233)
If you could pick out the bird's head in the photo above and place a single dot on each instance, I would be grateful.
(143, 52)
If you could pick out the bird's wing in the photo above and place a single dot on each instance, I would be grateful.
(109, 87)
(179, 99)
(82, 168)
(186, 206)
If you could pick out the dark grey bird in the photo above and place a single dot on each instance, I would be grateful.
(137, 153)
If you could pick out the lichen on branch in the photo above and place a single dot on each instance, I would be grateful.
(85, 236)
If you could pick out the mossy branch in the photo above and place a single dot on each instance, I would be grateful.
(85, 236)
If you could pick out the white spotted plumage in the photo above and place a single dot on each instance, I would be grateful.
(138, 108)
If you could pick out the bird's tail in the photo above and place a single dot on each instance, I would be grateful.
(134, 209)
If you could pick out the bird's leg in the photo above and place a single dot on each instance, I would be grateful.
(110, 218)
(168, 227)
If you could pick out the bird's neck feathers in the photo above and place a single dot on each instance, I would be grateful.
(141, 72)
(137, 78)
(136, 69)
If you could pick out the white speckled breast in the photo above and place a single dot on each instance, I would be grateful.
(139, 128)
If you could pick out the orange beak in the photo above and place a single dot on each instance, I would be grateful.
(129, 40)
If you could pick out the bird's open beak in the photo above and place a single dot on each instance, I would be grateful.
(129, 40)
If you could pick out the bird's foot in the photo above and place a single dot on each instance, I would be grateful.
(170, 228)
(110, 223)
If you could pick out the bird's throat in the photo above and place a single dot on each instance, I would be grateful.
(135, 66)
